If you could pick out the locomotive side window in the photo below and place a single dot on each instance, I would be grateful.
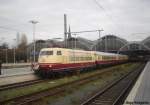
(46, 53)
(59, 53)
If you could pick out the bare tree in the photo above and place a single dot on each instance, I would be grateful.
(23, 42)
(4, 45)
(22, 48)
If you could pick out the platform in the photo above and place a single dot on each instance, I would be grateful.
(15, 71)
(17, 78)
(15, 65)
(140, 93)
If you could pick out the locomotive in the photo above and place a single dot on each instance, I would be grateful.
(61, 60)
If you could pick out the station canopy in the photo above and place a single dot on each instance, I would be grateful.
(109, 43)
(146, 42)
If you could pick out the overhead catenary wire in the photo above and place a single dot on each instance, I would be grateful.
(86, 31)
(10, 29)
(106, 14)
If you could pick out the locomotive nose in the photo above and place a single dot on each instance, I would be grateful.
(43, 60)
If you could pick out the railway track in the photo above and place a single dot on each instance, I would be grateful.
(20, 84)
(26, 99)
(115, 93)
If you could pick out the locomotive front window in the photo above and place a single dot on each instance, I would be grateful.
(46, 53)
(49, 52)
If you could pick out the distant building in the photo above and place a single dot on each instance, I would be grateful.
(109, 43)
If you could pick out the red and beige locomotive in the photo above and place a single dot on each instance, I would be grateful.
(59, 60)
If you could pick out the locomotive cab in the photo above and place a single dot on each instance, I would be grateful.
(50, 56)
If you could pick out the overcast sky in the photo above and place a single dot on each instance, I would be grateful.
(129, 19)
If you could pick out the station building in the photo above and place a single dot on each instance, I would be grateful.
(107, 43)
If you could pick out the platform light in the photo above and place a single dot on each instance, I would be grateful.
(34, 23)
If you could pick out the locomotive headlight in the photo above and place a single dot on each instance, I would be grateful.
(36, 66)
(50, 65)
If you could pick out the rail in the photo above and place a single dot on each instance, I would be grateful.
(20, 84)
(115, 93)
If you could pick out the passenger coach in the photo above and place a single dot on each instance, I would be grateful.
(60, 60)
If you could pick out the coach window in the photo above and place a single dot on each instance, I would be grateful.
(59, 53)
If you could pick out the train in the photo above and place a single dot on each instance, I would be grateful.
(61, 60)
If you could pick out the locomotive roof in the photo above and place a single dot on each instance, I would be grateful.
(108, 54)
(101, 53)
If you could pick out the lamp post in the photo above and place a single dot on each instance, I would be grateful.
(14, 52)
(99, 32)
(34, 23)
(75, 47)
(75, 43)
(105, 43)
(6, 57)
(27, 55)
